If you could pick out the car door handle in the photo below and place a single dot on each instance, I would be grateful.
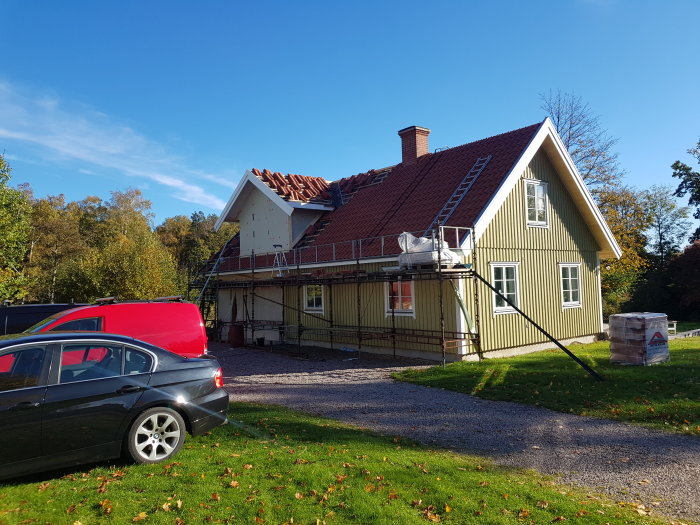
(128, 389)
(25, 405)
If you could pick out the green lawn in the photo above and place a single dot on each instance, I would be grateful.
(665, 396)
(272, 465)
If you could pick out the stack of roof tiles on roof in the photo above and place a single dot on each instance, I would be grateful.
(293, 187)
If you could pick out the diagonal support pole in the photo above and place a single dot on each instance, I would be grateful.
(587, 368)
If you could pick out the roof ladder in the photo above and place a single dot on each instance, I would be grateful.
(459, 193)
(337, 197)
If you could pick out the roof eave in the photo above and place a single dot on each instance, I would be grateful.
(230, 211)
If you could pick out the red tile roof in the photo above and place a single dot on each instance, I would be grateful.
(404, 197)
(410, 197)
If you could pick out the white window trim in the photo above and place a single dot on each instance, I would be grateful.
(538, 224)
(399, 313)
(570, 304)
(323, 300)
(505, 309)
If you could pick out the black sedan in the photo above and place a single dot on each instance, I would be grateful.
(71, 398)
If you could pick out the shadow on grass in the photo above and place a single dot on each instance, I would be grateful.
(665, 395)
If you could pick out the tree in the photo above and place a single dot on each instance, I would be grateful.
(192, 241)
(684, 273)
(15, 212)
(689, 185)
(55, 239)
(626, 213)
(590, 146)
(668, 225)
(121, 256)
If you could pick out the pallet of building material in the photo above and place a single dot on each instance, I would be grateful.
(639, 338)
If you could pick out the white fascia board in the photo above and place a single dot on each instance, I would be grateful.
(267, 191)
(250, 178)
(227, 209)
(548, 131)
(498, 198)
(591, 206)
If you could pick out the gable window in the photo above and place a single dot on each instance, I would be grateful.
(570, 285)
(504, 277)
(536, 203)
(313, 298)
(399, 297)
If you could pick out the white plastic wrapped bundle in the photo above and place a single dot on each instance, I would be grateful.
(422, 250)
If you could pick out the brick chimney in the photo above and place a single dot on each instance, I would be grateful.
(414, 143)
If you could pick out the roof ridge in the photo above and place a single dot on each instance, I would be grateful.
(498, 135)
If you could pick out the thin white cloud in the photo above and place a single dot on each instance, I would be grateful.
(98, 142)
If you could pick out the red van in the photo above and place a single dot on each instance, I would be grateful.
(167, 323)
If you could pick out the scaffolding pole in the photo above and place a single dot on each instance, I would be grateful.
(475, 283)
(359, 310)
(440, 292)
(330, 312)
(252, 296)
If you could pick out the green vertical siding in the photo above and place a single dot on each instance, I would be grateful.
(538, 251)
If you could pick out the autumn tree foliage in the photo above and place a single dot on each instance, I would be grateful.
(668, 228)
(93, 248)
(192, 241)
(627, 215)
(14, 237)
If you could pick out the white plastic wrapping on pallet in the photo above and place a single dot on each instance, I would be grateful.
(639, 338)
(422, 250)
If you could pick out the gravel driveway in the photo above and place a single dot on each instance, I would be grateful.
(660, 470)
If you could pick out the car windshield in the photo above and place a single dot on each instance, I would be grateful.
(41, 324)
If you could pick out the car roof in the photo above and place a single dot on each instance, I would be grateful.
(47, 337)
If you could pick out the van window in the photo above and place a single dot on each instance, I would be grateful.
(91, 324)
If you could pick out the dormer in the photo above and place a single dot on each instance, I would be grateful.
(274, 209)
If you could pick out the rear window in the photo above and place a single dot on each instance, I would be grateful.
(91, 324)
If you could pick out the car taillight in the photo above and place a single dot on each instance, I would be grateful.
(219, 378)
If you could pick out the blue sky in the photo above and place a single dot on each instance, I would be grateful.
(180, 98)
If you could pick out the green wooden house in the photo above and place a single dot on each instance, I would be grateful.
(320, 262)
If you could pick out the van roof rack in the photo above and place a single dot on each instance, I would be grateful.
(106, 300)
(173, 298)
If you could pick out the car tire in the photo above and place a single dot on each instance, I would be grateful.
(155, 435)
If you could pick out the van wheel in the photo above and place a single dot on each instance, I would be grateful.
(156, 435)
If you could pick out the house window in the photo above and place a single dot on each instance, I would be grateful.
(570, 285)
(313, 298)
(536, 202)
(504, 277)
(399, 297)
